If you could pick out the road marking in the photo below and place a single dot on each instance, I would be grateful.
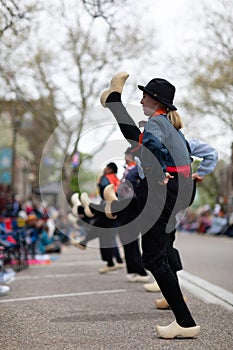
(63, 295)
(55, 275)
(206, 291)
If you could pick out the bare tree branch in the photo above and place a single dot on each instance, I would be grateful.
(12, 13)
(102, 9)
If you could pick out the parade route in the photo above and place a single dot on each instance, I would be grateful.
(206, 291)
(69, 305)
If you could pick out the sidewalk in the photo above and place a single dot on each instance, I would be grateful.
(69, 305)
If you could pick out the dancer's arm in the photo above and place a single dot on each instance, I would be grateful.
(127, 125)
(209, 157)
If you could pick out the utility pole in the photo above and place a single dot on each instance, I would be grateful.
(15, 127)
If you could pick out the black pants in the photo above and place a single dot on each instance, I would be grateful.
(158, 206)
(156, 242)
(108, 249)
(130, 239)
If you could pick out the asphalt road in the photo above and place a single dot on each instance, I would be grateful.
(209, 257)
(69, 305)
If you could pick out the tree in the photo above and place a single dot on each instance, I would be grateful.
(54, 79)
(210, 89)
(90, 57)
(14, 15)
(209, 98)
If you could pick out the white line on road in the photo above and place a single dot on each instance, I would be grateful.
(55, 275)
(206, 291)
(63, 295)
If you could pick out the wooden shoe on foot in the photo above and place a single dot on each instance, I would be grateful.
(116, 85)
(75, 199)
(152, 287)
(106, 269)
(76, 203)
(173, 330)
(85, 202)
(109, 196)
(162, 304)
(77, 244)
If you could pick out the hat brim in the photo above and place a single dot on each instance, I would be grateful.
(158, 98)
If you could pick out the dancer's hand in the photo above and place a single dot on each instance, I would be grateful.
(197, 177)
(166, 179)
(142, 123)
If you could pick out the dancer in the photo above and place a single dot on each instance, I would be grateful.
(108, 245)
(97, 220)
(165, 187)
(130, 241)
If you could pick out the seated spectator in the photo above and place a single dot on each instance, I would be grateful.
(46, 244)
(217, 225)
(204, 221)
(188, 222)
(31, 233)
(219, 221)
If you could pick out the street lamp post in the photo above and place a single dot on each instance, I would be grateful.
(15, 125)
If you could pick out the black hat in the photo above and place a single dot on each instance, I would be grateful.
(161, 90)
(112, 166)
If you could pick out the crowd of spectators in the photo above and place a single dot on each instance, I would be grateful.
(29, 231)
(205, 220)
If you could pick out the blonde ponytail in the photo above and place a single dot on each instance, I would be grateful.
(175, 119)
(173, 116)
